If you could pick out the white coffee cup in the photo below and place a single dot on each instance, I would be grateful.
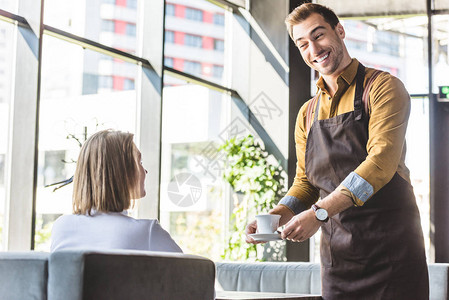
(267, 223)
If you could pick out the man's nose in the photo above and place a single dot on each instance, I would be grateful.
(314, 48)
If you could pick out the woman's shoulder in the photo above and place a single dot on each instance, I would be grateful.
(65, 219)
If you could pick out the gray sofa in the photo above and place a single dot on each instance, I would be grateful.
(301, 278)
(76, 275)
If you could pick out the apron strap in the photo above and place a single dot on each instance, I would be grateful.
(309, 112)
(365, 97)
(358, 102)
(361, 94)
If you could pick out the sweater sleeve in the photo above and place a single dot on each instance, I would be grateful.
(160, 240)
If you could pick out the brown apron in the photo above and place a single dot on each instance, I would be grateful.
(375, 251)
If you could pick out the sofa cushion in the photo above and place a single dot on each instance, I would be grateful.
(129, 274)
(23, 275)
(298, 277)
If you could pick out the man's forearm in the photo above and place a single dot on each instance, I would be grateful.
(335, 203)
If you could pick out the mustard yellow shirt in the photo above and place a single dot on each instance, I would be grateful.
(389, 110)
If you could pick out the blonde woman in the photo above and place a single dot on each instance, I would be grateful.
(109, 176)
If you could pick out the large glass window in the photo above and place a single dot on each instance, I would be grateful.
(6, 76)
(186, 41)
(193, 204)
(396, 45)
(90, 93)
(441, 51)
(417, 160)
(107, 22)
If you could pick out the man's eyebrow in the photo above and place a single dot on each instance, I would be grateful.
(312, 32)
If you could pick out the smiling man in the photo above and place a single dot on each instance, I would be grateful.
(351, 177)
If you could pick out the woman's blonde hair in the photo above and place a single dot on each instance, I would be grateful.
(107, 175)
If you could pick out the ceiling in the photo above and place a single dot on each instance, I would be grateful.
(366, 8)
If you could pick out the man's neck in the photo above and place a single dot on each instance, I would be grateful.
(330, 81)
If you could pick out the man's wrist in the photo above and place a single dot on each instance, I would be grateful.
(335, 203)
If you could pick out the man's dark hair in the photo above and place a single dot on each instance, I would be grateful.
(304, 11)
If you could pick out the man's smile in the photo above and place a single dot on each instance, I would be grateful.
(322, 58)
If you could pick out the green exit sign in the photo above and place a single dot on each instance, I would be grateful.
(443, 92)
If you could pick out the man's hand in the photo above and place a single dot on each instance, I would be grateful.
(250, 229)
(301, 227)
(286, 215)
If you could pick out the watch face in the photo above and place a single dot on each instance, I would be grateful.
(321, 214)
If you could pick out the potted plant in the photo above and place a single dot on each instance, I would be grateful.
(258, 181)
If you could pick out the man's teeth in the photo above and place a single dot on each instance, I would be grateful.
(322, 58)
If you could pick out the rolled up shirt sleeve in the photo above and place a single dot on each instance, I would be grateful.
(294, 204)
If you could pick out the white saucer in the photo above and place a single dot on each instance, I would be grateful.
(266, 237)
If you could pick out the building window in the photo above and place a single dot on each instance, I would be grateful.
(131, 3)
(105, 82)
(169, 36)
(219, 45)
(192, 67)
(219, 19)
(217, 71)
(193, 41)
(108, 25)
(169, 9)
(131, 29)
(168, 62)
(194, 14)
(128, 84)
(386, 43)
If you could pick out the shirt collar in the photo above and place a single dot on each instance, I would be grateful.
(348, 75)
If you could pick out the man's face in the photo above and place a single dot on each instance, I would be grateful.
(320, 46)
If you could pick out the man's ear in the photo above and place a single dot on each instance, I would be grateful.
(340, 30)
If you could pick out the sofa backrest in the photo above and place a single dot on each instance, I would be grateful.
(86, 275)
(301, 277)
(292, 277)
(23, 275)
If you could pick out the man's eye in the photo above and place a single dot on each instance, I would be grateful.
(318, 36)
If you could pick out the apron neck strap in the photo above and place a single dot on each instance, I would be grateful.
(358, 102)
(317, 109)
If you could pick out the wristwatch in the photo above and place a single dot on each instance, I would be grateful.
(320, 213)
